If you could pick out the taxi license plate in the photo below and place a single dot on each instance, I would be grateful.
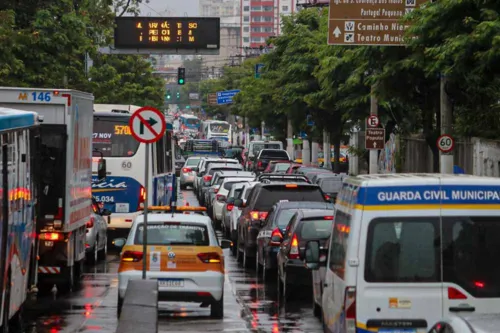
(175, 283)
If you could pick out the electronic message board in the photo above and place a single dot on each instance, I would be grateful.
(167, 33)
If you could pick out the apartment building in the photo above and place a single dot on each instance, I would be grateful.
(261, 19)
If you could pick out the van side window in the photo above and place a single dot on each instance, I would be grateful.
(403, 250)
(338, 244)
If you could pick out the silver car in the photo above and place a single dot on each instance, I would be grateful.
(96, 240)
(468, 323)
(188, 172)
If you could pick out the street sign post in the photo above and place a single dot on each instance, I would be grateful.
(258, 69)
(212, 99)
(372, 121)
(375, 138)
(226, 97)
(445, 143)
(368, 22)
(147, 125)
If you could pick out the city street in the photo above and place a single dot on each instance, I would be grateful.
(250, 305)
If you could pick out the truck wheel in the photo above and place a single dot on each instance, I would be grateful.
(69, 281)
(217, 308)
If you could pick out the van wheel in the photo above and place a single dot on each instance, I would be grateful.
(217, 308)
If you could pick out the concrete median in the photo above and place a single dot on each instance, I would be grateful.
(139, 312)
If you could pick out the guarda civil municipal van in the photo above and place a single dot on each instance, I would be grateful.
(409, 249)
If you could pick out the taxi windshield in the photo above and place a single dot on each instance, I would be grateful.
(174, 233)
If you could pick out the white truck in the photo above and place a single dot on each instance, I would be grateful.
(63, 190)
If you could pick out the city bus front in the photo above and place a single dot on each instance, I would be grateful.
(190, 125)
(123, 190)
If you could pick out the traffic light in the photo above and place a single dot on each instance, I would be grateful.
(181, 75)
(169, 95)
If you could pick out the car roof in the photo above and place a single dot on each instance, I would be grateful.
(222, 165)
(401, 179)
(158, 217)
(307, 213)
(236, 174)
(275, 184)
(272, 149)
(303, 205)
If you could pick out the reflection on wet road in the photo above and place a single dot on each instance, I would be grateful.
(250, 305)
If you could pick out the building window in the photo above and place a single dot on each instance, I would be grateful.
(246, 39)
(256, 19)
(268, 8)
(256, 39)
(255, 29)
(246, 8)
(246, 29)
(246, 18)
(284, 8)
(267, 19)
(256, 9)
(267, 29)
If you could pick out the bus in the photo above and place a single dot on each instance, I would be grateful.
(124, 190)
(20, 141)
(217, 129)
(189, 123)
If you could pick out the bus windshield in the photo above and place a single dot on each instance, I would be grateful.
(112, 136)
(219, 128)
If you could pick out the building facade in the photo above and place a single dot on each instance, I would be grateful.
(261, 19)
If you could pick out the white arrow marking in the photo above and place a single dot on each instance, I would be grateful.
(337, 32)
(374, 145)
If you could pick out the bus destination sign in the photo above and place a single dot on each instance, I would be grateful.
(167, 33)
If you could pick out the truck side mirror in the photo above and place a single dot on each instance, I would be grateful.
(101, 170)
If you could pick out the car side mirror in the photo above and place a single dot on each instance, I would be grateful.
(105, 212)
(119, 242)
(225, 243)
(101, 170)
(312, 255)
(238, 203)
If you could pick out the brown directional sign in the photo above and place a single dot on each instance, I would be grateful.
(212, 99)
(375, 138)
(368, 22)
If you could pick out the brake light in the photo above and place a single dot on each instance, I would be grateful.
(51, 236)
(350, 309)
(220, 196)
(256, 215)
(455, 294)
(479, 284)
(186, 170)
(276, 233)
(291, 186)
(132, 256)
(294, 250)
(328, 217)
(229, 207)
(327, 197)
(209, 257)
(207, 178)
(90, 223)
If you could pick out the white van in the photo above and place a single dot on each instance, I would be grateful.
(409, 249)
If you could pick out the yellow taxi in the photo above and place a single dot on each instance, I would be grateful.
(183, 255)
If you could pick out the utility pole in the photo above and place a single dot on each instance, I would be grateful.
(373, 167)
(446, 160)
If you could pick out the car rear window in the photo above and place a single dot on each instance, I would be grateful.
(319, 228)
(284, 217)
(281, 167)
(173, 233)
(214, 170)
(331, 185)
(192, 161)
(277, 154)
(228, 185)
(269, 195)
(237, 193)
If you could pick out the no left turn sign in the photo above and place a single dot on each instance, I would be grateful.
(445, 143)
(147, 124)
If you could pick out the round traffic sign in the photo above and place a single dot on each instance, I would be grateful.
(445, 143)
(373, 121)
(147, 124)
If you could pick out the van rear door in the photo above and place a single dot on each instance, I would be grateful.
(399, 285)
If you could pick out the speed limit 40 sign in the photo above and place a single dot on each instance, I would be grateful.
(445, 143)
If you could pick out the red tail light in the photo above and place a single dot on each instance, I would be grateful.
(207, 178)
(186, 170)
(51, 236)
(132, 256)
(229, 207)
(220, 196)
(209, 257)
(479, 284)
(59, 214)
(455, 294)
(142, 196)
(274, 235)
(256, 215)
(327, 197)
(294, 250)
(90, 223)
(350, 309)
(328, 217)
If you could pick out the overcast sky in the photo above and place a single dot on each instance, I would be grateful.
(170, 8)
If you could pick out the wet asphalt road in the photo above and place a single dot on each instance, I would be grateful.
(250, 305)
